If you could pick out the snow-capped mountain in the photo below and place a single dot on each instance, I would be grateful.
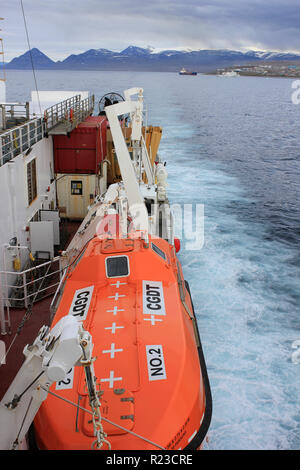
(149, 59)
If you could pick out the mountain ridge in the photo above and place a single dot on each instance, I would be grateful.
(148, 59)
(24, 61)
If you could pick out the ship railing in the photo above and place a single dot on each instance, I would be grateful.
(13, 114)
(68, 113)
(82, 110)
(60, 112)
(87, 107)
(20, 289)
(19, 139)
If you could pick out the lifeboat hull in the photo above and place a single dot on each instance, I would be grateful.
(149, 365)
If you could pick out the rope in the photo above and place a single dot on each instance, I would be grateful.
(104, 419)
(31, 59)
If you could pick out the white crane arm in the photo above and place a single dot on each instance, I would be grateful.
(52, 354)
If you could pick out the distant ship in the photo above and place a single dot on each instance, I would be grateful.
(186, 72)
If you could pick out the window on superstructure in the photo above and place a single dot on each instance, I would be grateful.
(31, 181)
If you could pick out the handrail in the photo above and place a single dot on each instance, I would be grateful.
(19, 139)
(13, 112)
(56, 258)
(60, 111)
(18, 291)
(69, 112)
(27, 296)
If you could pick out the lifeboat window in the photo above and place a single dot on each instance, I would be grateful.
(117, 266)
(158, 251)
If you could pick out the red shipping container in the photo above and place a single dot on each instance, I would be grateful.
(83, 149)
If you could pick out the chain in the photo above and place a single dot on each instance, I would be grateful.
(98, 428)
(95, 404)
(103, 419)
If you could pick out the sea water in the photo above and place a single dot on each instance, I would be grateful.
(232, 146)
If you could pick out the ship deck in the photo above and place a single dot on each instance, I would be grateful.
(15, 343)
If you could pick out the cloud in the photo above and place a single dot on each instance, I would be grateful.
(61, 27)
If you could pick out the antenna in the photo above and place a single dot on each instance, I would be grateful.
(3, 78)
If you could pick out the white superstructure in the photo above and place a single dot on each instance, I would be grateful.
(28, 192)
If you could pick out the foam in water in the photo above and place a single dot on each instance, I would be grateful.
(241, 286)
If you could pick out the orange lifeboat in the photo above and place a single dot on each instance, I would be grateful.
(149, 367)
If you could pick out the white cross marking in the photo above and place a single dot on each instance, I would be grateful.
(116, 310)
(112, 351)
(111, 379)
(152, 319)
(116, 296)
(113, 328)
(118, 284)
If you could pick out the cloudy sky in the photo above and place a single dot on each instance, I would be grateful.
(62, 27)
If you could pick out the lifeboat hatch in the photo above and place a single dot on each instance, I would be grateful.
(117, 406)
(117, 246)
(117, 266)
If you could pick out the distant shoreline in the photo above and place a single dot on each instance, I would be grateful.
(276, 69)
(256, 75)
(213, 73)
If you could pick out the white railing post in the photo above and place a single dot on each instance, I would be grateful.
(21, 140)
(10, 142)
(1, 152)
(25, 289)
(37, 283)
(2, 316)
